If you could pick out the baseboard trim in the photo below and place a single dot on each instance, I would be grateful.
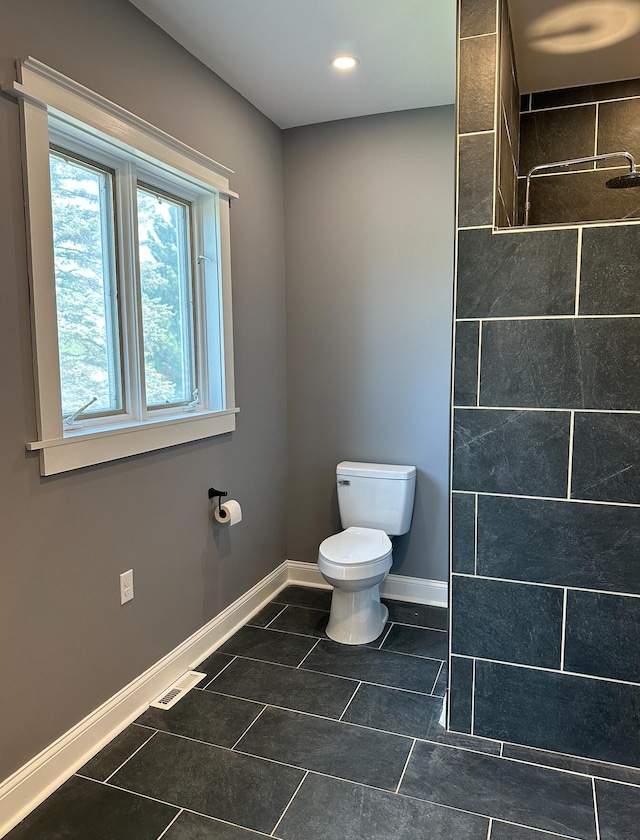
(394, 587)
(32, 783)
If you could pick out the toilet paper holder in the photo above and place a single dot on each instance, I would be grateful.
(213, 493)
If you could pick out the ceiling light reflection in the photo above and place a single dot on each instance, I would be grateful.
(585, 26)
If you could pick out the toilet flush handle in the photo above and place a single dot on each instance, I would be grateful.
(344, 481)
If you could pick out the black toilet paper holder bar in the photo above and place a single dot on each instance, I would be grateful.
(213, 493)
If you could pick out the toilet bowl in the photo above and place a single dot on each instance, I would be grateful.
(355, 562)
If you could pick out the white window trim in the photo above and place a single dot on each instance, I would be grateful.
(43, 92)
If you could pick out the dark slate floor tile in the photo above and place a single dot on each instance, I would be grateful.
(475, 171)
(460, 694)
(465, 387)
(327, 746)
(606, 458)
(603, 635)
(266, 615)
(562, 363)
(206, 717)
(269, 645)
(306, 621)
(547, 136)
(213, 665)
(476, 89)
(588, 767)
(559, 712)
(609, 273)
(240, 789)
(509, 622)
(325, 809)
(506, 831)
(516, 452)
(81, 809)
(533, 796)
(477, 17)
(305, 596)
(418, 615)
(280, 685)
(463, 533)
(375, 666)
(440, 688)
(196, 827)
(404, 713)
(618, 124)
(516, 274)
(562, 543)
(115, 753)
(418, 641)
(618, 810)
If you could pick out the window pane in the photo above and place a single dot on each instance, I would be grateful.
(86, 290)
(165, 286)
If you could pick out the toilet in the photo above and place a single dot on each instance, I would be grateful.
(376, 502)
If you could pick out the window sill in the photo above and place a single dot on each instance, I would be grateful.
(99, 445)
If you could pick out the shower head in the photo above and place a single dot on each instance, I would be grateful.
(624, 182)
(630, 179)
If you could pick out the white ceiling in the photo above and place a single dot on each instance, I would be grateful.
(276, 53)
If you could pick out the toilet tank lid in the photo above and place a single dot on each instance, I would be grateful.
(375, 470)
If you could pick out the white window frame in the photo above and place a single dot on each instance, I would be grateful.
(54, 106)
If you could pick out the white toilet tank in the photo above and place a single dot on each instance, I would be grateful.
(376, 496)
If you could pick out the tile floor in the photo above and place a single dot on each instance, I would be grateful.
(294, 737)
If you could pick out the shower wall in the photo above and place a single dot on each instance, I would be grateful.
(545, 583)
(579, 122)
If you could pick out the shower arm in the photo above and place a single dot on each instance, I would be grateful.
(564, 163)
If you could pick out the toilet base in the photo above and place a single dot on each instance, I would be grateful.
(356, 618)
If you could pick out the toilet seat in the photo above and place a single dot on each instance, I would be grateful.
(356, 554)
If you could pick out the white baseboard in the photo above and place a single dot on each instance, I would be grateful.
(394, 587)
(32, 783)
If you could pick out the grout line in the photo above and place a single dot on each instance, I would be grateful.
(564, 628)
(406, 764)
(344, 711)
(299, 665)
(542, 409)
(245, 731)
(478, 133)
(276, 616)
(391, 623)
(595, 138)
(489, 829)
(595, 808)
(471, 37)
(501, 749)
(572, 424)
(433, 687)
(473, 696)
(548, 586)
(567, 316)
(547, 499)
(326, 612)
(475, 537)
(131, 756)
(547, 671)
(273, 833)
(232, 660)
(479, 361)
(578, 272)
(160, 836)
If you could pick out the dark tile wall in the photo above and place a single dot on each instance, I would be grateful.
(545, 587)
(579, 122)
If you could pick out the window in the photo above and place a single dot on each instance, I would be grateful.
(130, 281)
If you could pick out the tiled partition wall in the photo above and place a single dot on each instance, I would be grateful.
(545, 588)
(573, 123)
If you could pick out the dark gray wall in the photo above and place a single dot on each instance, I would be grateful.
(546, 474)
(64, 540)
(369, 227)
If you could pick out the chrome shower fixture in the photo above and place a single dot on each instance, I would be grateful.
(629, 179)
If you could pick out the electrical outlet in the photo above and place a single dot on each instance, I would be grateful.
(126, 586)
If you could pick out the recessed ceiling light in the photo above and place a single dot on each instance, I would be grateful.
(345, 62)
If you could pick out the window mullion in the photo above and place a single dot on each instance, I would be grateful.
(133, 349)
